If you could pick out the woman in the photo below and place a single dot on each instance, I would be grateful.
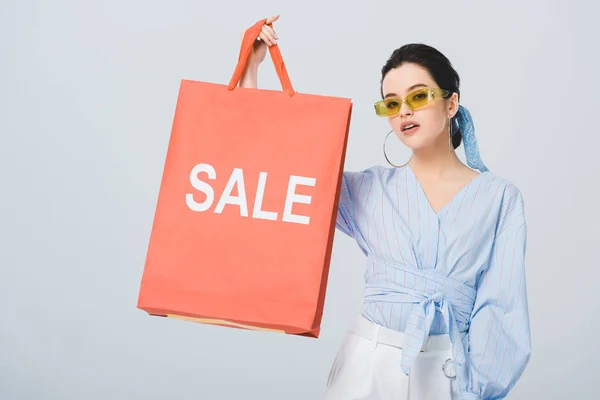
(445, 310)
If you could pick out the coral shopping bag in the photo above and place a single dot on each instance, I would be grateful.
(245, 219)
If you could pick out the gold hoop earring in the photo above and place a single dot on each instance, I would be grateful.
(385, 153)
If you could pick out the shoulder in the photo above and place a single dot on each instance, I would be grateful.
(510, 190)
(509, 203)
(375, 170)
(505, 188)
(375, 174)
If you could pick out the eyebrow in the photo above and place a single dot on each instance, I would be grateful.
(409, 89)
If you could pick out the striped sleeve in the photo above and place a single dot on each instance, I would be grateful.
(499, 334)
(345, 215)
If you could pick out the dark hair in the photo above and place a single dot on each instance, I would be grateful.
(438, 66)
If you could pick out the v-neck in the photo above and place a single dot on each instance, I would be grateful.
(454, 197)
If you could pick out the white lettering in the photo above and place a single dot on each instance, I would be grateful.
(201, 186)
(292, 198)
(260, 194)
(237, 178)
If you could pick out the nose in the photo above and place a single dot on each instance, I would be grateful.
(405, 110)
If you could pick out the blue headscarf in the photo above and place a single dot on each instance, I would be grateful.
(463, 121)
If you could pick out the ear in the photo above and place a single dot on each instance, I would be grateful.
(452, 105)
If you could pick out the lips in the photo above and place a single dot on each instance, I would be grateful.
(409, 127)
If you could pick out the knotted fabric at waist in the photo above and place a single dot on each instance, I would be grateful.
(428, 292)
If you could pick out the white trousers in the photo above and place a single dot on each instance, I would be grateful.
(368, 367)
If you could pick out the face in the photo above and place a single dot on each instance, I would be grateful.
(431, 120)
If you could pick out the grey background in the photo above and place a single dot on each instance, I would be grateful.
(87, 95)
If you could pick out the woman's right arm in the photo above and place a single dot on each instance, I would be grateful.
(267, 37)
(345, 216)
(250, 77)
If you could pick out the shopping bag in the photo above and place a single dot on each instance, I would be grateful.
(245, 217)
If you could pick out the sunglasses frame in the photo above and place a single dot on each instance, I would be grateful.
(432, 93)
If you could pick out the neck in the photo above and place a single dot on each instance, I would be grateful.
(437, 160)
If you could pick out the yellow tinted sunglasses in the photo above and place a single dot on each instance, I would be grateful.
(419, 98)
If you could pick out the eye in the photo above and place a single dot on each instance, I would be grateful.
(419, 96)
(391, 104)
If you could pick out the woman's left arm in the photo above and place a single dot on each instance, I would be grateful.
(499, 335)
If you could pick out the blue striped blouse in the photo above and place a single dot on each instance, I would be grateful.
(459, 271)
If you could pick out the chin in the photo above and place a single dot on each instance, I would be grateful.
(415, 142)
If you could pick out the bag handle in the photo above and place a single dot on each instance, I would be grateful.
(246, 47)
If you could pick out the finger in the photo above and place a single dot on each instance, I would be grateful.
(270, 32)
(265, 39)
(269, 35)
(272, 19)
